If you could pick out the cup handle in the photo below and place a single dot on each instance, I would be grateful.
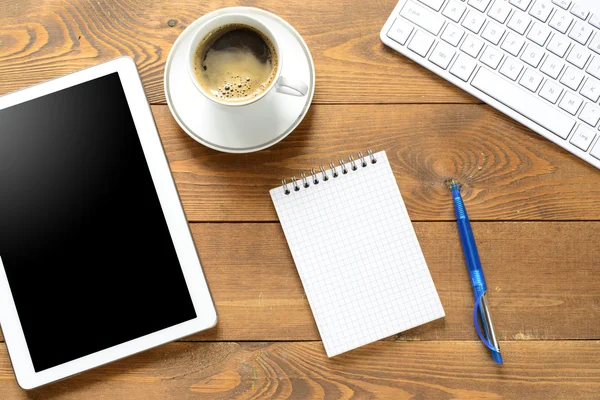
(292, 87)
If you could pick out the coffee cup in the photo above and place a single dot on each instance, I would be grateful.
(235, 60)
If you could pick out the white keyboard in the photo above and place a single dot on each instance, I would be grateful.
(537, 61)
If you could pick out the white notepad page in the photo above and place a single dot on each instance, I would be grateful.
(357, 255)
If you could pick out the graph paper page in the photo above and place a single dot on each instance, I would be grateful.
(357, 255)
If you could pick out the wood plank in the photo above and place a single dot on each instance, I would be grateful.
(393, 370)
(40, 40)
(508, 172)
(543, 276)
(543, 279)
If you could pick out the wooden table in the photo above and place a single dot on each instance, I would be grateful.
(536, 210)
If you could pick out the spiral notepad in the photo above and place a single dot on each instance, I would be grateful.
(356, 252)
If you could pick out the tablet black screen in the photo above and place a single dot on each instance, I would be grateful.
(83, 239)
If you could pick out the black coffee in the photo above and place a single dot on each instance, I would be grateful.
(235, 63)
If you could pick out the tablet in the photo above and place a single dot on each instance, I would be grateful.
(97, 261)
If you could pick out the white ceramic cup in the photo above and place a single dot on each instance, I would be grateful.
(281, 84)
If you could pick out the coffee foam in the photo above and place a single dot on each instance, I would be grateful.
(235, 63)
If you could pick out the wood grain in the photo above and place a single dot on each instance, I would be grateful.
(543, 280)
(391, 370)
(40, 40)
(543, 275)
(508, 172)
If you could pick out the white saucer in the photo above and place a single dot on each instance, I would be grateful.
(247, 128)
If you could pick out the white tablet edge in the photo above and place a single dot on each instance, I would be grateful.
(206, 316)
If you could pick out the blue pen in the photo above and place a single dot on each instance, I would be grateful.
(488, 337)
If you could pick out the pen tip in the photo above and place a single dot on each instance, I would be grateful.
(450, 183)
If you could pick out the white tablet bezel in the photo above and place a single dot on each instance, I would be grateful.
(206, 316)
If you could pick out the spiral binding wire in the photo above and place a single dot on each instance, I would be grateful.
(314, 176)
(304, 180)
(325, 176)
(295, 184)
(352, 163)
(344, 169)
(285, 186)
(363, 163)
(333, 170)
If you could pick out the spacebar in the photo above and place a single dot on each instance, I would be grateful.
(522, 102)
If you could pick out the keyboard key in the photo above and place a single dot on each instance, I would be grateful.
(400, 31)
(421, 43)
(528, 105)
(578, 56)
(499, 11)
(452, 34)
(562, 3)
(590, 115)
(570, 103)
(572, 78)
(511, 68)
(591, 89)
(423, 17)
(581, 32)
(463, 67)
(442, 55)
(595, 20)
(551, 91)
(552, 67)
(480, 5)
(558, 45)
(541, 10)
(435, 4)
(539, 33)
(493, 33)
(522, 4)
(561, 21)
(491, 57)
(472, 46)
(513, 44)
(519, 22)
(596, 151)
(533, 55)
(595, 43)
(594, 67)
(454, 10)
(473, 21)
(583, 137)
(531, 80)
(580, 11)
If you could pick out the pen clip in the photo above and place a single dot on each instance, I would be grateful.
(478, 328)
